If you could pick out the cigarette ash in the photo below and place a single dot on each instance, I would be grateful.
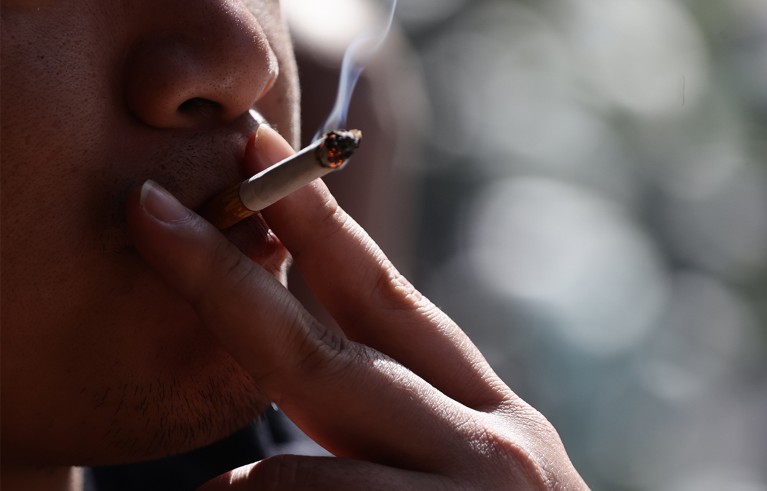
(337, 146)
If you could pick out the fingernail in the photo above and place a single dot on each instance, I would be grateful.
(254, 149)
(161, 204)
(268, 147)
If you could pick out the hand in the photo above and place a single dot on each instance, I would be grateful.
(401, 396)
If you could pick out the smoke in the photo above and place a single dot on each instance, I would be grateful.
(357, 54)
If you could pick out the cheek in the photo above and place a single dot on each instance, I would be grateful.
(52, 124)
(81, 311)
(54, 120)
(66, 288)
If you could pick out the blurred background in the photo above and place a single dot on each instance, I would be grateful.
(582, 186)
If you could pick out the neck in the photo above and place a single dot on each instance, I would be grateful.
(15, 478)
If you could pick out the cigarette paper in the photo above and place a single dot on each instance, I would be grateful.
(327, 154)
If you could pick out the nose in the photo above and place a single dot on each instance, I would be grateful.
(199, 63)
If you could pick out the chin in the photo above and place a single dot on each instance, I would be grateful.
(203, 396)
(168, 388)
(172, 416)
(162, 384)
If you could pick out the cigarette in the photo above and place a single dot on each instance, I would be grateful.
(326, 154)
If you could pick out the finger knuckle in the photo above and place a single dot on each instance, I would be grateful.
(392, 290)
(514, 454)
(323, 352)
(525, 447)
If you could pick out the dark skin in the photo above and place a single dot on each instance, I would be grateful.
(130, 340)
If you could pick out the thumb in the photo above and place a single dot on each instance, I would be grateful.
(225, 287)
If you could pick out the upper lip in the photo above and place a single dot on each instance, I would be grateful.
(252, 236)
(230, 171)
(197, 165)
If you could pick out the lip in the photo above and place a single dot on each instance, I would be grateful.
(253, 236)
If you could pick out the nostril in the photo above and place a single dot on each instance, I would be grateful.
(201, 63)
(200, 108)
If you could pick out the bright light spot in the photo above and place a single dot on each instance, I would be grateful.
(329, 28)
(571, 255)
(511, 79)
(643, 55)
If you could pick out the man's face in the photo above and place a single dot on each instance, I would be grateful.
(101, 361)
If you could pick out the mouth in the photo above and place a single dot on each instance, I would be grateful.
(253, 236)
(205, 165)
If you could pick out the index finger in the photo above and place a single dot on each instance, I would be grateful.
(365, 293)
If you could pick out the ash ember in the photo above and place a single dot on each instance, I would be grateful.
(337, 146)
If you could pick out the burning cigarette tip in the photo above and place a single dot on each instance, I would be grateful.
(337, 146)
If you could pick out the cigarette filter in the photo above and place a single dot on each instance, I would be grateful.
(327, 154)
